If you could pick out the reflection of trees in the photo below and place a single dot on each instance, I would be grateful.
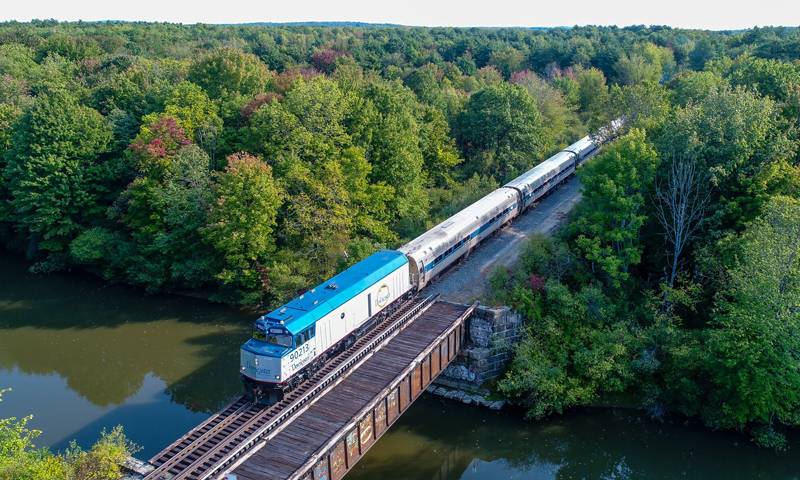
(210, 387)
(104, 340)
(601, 443)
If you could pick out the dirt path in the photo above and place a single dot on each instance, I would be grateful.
(467, 280)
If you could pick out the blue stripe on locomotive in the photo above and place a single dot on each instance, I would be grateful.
(310, 307)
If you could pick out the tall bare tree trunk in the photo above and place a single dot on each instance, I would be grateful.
(680, 207)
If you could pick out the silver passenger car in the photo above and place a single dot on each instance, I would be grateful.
(433, 251)
(534, 183)
(439, 247)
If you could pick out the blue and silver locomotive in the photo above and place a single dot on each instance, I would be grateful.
(294, 341)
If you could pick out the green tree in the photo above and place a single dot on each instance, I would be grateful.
(163, 215)
(439, 151)
(612, 211)
(240, 224)
(387, 126)
(368, 202)
(318, 221)
(466, 64)
(20, 460)
(645, 63)
(573, 349)
(559, 119)
(777, 80)
(635, 70)
(58, 178)
(423, 83)
(735, 134)
(754, 351)
(593, 97)
(193, 112)
(500, 131)
(645, 106)
(308, 123)
(140, 89)
(694, 87)
(17, 61)
(507, 61)
(228, 71)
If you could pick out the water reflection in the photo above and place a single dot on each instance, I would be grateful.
(447, 441)
(71, 344)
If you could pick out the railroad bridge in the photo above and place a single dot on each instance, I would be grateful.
(326, 425)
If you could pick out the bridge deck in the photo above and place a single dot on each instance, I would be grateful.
(325, 440)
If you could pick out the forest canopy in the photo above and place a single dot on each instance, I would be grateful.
(246, 162)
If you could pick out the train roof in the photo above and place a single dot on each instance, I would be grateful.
(581, 145)
(306, 309)
(459, 224)
(533, 177)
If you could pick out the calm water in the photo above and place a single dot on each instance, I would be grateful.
(444, 440)
(81, 356)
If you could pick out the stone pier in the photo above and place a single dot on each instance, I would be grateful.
(494, 333)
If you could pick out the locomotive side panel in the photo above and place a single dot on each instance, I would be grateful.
(294, 336)
(348, 318)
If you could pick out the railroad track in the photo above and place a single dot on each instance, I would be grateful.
(214, 444)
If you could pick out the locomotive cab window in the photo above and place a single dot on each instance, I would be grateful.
(280, 340)
(259, 335)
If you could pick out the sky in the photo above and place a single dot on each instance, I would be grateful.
(700, 14)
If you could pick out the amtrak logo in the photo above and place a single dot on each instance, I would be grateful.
(383, 295)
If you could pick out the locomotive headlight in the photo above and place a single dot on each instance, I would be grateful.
(243, 368)
(277, 377)
(256, 361)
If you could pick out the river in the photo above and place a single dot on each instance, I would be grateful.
(81, 356)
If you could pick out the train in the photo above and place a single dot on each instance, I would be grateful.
(294, 341)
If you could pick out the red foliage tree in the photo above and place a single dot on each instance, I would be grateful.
(261, 99)
(521, 77)
(536, 283)
(325, 60)
(283, 81)
(157, 142)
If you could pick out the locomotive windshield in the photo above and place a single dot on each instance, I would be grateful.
(273, 337)
(280, 340)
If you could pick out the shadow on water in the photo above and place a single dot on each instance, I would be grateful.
(443, 440)
(70, 332)
(76, 299)
(212, 385)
